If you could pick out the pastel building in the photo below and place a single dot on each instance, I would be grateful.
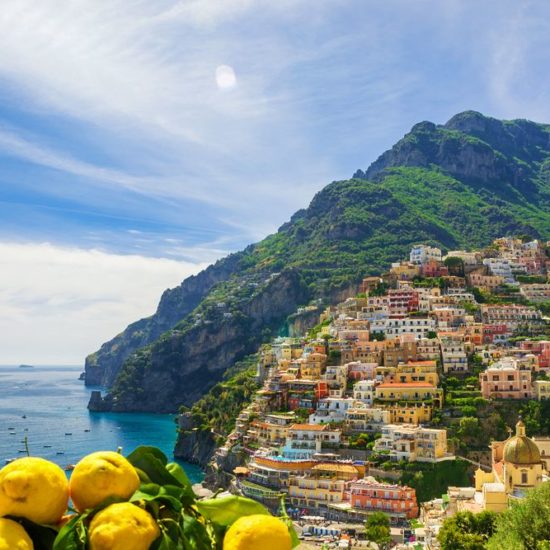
(370, 495)
(541, 389)
(305, 440)
(363, 391)
(413, 443)
(516, 467)
(324, 484)
(412, 391)
(331, 409)
(422, 254)
(505, 380)
(366, 419)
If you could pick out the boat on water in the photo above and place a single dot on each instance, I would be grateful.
(60, 453)
(24, 416)
(69, 467)
(68, 433)
(86, 430)
(47, 446)
(26, 366)
(21, 451)
(9, 460)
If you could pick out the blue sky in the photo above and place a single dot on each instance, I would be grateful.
(119, 137)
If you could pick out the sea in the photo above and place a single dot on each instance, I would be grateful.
(47, 406)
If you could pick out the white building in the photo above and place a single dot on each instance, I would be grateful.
(364, 391)
(453, 355)
(305, 440)
(417, 326)
(501, 267)
(331, 409)
(422, 254)
(413, 443)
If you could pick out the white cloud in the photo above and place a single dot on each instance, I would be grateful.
(58, 304)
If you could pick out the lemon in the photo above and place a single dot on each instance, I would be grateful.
(35, 489)
(13, 536)
(101, 475)
(122, 526)
(257, 532)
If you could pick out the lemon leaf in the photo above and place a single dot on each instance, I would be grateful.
(227, 510)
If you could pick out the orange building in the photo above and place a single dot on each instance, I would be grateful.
(374, 496)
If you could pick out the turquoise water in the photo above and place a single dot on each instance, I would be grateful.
(60, 428)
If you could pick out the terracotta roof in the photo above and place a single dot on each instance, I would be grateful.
(309, 427)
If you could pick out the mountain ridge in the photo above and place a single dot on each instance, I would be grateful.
(458, 184)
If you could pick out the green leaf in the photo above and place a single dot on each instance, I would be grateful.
(178, 472)
(195, 534)
(153, 463)
(168, 495)
(146, 450)
(226, 510)
(73, 535)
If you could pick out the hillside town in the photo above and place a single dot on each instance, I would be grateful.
(385, 388)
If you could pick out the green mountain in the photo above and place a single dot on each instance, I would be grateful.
(455, 185)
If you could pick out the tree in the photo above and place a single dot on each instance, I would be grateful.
(467, 531)
(377, 529)
(526, 524)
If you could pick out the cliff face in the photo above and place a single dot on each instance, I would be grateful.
(455, 185)
(175, 304)
(179, 367)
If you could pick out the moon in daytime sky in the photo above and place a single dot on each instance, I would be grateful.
(225, 77)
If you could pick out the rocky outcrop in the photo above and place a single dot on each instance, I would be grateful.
(180, 367)
(196, 446)
(103, 366)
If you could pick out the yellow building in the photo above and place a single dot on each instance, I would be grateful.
(324, 484)
(409, 391)
(313, 366)
(414, 413)
(516, 467)
(542, 389)
(413, 371)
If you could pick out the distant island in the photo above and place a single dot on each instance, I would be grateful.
(26, 366)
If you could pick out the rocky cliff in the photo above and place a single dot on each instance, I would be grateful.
(185, 362)
(460, 184)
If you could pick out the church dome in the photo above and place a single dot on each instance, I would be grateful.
(520, 449)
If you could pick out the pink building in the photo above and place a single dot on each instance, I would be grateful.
(505, 380)
(362, 371)
(541, 349)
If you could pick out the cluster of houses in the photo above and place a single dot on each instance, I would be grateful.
(373, 369)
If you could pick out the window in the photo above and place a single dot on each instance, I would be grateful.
(524, 477)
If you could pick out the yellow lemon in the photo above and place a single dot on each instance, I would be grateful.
(257, 532)
(35, 489)
(101, 475)
(122, 526)
(13, 536)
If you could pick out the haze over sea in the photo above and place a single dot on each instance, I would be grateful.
(45, 403)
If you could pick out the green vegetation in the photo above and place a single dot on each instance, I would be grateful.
(432, 480)
(219, 408)
(467, 531)
(526, 524)
(377, 529)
